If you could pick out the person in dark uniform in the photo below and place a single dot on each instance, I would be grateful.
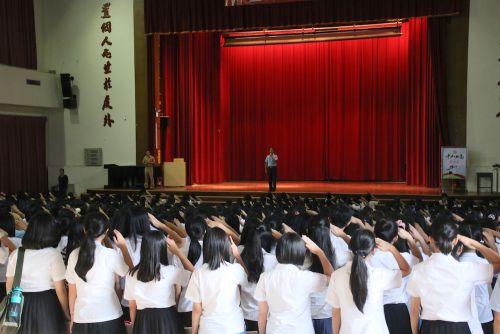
(271, 166)
(63, 182)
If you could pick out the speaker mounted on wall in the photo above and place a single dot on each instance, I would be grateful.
(69, 100)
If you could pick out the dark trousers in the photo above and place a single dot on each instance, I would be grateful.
(272, 174)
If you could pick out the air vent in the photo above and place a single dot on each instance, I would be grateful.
(93, 156)
(33, 82)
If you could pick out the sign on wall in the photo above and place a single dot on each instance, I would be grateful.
(453, 168)
(106, 55)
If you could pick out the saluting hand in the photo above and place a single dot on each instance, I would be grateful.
(119, 239)
(234, 248)
(172, 246)
(383, 245)
(311, 245)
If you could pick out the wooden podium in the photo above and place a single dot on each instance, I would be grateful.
(174, 173)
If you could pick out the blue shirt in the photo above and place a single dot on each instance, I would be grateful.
(270, 162)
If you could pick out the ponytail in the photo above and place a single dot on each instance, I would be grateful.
(252, 256)
(195, 228)
(95, 225)
(361, 245)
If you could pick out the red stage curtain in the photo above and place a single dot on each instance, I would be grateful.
(17, 33)
(22, 154)
(182, 16)
(332, 110)
(346, 110)
(191, 99)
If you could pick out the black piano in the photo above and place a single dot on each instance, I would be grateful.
(128, 177)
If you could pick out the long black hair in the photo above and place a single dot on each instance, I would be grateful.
(196, 228)
(216, 248)
(361, 245)
(319, 232)
(8, 223)
(252, 256)
(138, 223)
(153, 256)
(95, 225)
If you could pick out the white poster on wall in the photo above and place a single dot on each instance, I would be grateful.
(453, 163)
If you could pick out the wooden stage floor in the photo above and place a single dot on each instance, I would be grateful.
(313, 188)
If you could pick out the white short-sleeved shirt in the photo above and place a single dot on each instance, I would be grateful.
(495, 298)
(481, 311)
(372, 320)
(184, 304)
(156, 294)
(4, 257)
(386, 260)
(249, 305)
(96, 299)
(445, 286)
(41, 268)
(134, 249)
(287, 290)
(219, 294)
(342, 252)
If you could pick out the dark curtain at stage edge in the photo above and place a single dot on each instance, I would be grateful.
(181, 16)
(426, 124)
(22, 154)
(202, 119)
(17, 33)
(191, 81)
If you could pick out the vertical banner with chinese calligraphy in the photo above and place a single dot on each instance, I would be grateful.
(106, 55)
(453, 168)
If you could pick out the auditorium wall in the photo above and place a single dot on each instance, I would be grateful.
(69, 41)
(483, 91)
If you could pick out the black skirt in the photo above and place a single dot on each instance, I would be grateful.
(116, 326)
(397, 318)
(158, 321)
(42, 313)
(444, 327)
(186, 318)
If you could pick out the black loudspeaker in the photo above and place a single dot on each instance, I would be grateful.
(70, 103)
(66, 79)
(164, 120)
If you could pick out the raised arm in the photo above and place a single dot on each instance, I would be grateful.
(402, 264)
(403, 234)
(490, 255)
(313, 248)
(120, 243)
(172, 246)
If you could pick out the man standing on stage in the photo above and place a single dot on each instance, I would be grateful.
(148, 161)
(271, 165)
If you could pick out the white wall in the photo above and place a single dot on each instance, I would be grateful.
(69, 37)
(483, 93)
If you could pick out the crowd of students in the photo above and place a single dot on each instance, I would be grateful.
(275, 264)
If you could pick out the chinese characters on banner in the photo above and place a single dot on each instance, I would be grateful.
(106, 55)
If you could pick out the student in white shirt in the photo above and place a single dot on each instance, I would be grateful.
(443, 286)
(192, 248)
(321, 311)
(284, 292)
(340, 217)
(214, 288)
(257, 256)
(356, 290)
(136, 225)
(150, 285)
(396, 311)
(8, 243)
(93, 302)
(482, 317)
(42, 281)
(495, 307)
